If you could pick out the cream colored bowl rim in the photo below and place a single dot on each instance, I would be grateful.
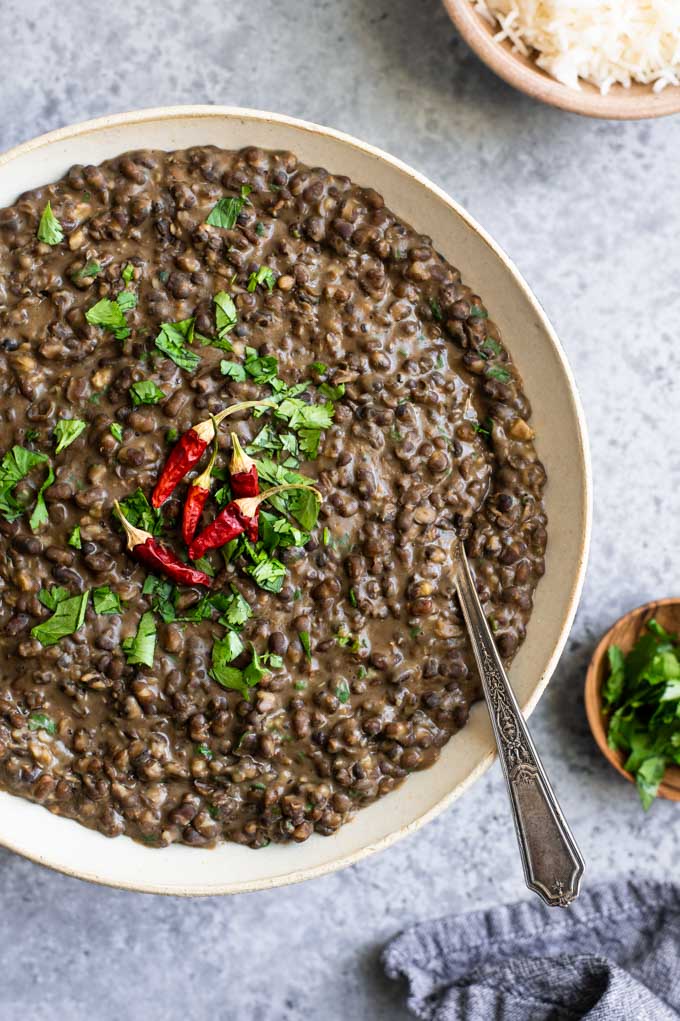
(172, 113)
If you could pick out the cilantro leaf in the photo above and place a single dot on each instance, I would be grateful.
(90, 269)
(342, 691)
(255, 671)
(172, 341)
(146, 392)
(51, 598)
(226, 212)
(126, 300)
(74, 538)
(233, 370)
(303, 505)
(233, 645)
(436, 310)
(109, 315)
(163, 593)
(268, 573)
(496, 372)
(141, 514)
(333, 393)
(648, 777)
(41, 721)
(229, 676)
(128, 273)
(50, 231)
(116, 431)
(264, 275)
(140, 648)
(15, 466)
(225, 318)
(40, 516)
(106, 601)
(66, 431)
(235, 609)
(68, 617)
(309, 442)
(641, 695)
(300, 415)
(261, 369)
(306, 645)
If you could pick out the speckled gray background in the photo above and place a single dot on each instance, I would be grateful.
(590, 212)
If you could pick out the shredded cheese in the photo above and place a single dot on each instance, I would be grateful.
(599, 41)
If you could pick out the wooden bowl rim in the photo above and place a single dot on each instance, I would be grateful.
(670, 787)
(620, 103)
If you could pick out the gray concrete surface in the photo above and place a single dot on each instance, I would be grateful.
(590, 212)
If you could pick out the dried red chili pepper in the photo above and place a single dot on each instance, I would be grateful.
(199, 491)
(244, 482)
(153, 554)
(234, 519)
(190, 448)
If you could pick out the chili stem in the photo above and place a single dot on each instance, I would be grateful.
(135, 536)
(206, 430)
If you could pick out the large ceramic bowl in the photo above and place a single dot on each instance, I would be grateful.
(65, 845)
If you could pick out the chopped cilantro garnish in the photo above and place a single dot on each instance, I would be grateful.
(105, 600)
(116, 431)
(264, 275)
(436, 310)
(496, 372)
(352, 597)
(202, 749)
(641, 696)
(233, 370)
(15, 466)
(146, 392)
(50, 231)
(140, 648)
(90, 269)
(477, 312)
(172, 341)
(306, 645)
(41, 721)
(74, 538)
(235, 610)
(66, 431)
(333, 393)
(490, 345)
(68, 617)
(141, 514)
(39, 515)
(128, 273)
(226, 319)
(226, 212)
(342, 691)
(110, 314)
(229, 676)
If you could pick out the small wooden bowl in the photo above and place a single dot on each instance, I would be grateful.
(625, 633)
(620, 103)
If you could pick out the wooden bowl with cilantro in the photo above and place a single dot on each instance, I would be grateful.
(632, 698)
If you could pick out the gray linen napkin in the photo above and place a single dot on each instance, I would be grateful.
(614, 955)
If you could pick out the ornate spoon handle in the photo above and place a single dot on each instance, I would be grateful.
(552, 862)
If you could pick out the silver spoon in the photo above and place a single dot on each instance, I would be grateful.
(552, 862)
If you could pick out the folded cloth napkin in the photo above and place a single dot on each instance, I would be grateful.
(613, 955)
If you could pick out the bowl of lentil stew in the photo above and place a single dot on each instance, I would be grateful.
(268, 152)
